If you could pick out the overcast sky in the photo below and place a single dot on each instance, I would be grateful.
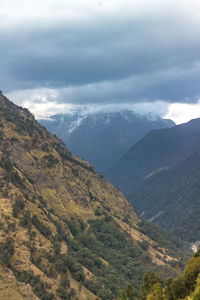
(141, 54)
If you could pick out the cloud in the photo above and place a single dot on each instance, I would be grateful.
(100, 52)
(43, 104)
(182, 112)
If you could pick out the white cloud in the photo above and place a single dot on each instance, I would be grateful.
(182, 112)
(44, 103)
(45, 109)
(20, 9)
(41, 102)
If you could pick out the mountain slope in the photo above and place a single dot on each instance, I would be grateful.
(158, 150)
(102, 138)
(171, 199)
(185, 286)
(65, 231)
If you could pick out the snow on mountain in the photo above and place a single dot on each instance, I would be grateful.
(102, 137)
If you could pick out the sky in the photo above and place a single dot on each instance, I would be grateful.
(59, 55)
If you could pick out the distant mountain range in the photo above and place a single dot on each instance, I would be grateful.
(158, 150)
(102, 138)
(160, 172)
(161, 175)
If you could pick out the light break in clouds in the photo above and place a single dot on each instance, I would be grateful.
(182, 112)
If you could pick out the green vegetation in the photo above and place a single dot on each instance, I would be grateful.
(128, 293)
(185, 286)
(104, 249)
(105, 239)
(40, 226)
(50, 160)
(58, 230)
(17, 207)
(6, 251)
(175, 194)
(149, 280)
(38, 286)
(160, 176)
(173, 245)
(10, 174)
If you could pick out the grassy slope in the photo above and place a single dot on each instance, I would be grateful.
(42, 186)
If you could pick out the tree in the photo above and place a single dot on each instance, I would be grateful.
(128, 293)
(156, 292)
(149, 280)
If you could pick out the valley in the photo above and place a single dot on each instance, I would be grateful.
(102, 138)
(66, 232)
(99, 150)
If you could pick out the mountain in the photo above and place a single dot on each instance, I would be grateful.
(171, 199)
(161, 175)
(157, 151)
(102, 138)
(65, 231)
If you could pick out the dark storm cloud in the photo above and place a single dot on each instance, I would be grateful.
(142, 54)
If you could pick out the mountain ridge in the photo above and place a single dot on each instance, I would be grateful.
(160, 177)
(102, 137)
(65, 231)
(158, 150)
(178, 202)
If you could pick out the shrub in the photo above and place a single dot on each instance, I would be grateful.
(7, 251)
(40, 226)
(17, 207)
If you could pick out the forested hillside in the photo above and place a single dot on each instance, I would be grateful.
(65, 231)
(185, 287)
(171, 199)
(157, 151)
